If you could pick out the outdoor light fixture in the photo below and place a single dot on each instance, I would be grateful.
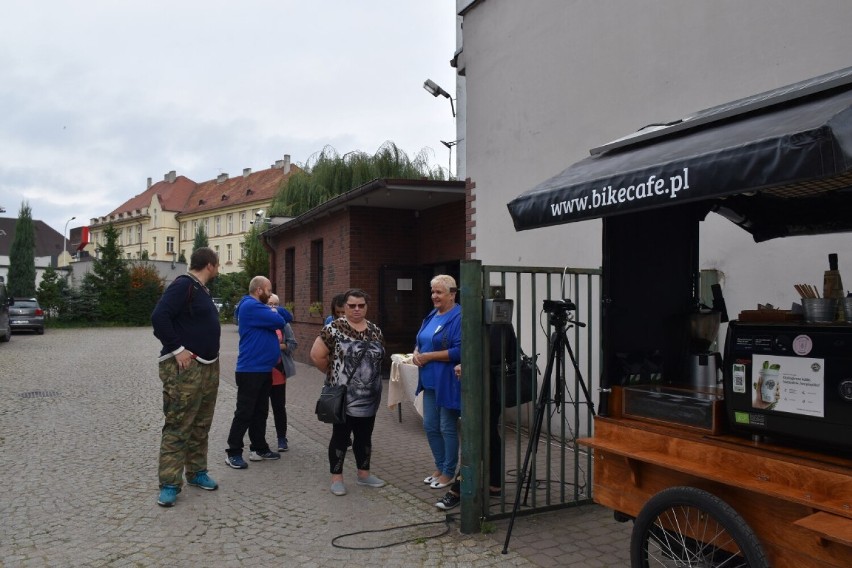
(434, 89)
(65, 233)
(449, 146)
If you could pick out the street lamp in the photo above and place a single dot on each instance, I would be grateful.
(64, 235)
(434, 89)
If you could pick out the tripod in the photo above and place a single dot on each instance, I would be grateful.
(557, 311)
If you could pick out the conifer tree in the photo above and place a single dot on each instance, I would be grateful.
(200, 238)
(22, 273)
(110, 279)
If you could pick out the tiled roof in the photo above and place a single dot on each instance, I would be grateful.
(48, 241)
(173, 196)
(244, 189)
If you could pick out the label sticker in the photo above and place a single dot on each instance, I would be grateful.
(739, 378)
(802, 345)
(741, 417)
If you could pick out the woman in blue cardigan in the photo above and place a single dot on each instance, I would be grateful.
(438, 350)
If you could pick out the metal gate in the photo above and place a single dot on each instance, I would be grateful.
(559, 469)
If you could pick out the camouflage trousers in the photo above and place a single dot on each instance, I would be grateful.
(189, 399)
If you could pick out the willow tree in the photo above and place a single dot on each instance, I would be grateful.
(22, 272)
(255, 260)
(327, 175)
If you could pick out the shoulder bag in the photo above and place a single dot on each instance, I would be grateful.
(528, 374)
(331, 406)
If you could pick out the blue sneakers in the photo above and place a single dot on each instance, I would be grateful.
(282, 444)
(267, 455)
(236, 462)
(202, 480)
(168, 495)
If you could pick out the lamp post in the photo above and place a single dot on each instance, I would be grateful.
(434, 89)
(65, 235)
(449, 146)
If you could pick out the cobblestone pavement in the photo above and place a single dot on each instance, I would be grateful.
(80, 420)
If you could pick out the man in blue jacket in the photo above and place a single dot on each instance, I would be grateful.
(258, 353)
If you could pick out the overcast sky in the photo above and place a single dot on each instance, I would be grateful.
(97, 96)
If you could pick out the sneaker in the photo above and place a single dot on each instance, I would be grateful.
(282, 444)
(267, 455)
(448, 501)
(370, 481)
(202, 480)
(337, 488)
(168, 495)
(236, 462)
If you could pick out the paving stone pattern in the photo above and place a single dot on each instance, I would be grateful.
(80, 420)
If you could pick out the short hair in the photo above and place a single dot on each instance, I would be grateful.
(257, 282)
(277, 299)
(356, 293)
(201, 257)
(337, 301)
(446, 281)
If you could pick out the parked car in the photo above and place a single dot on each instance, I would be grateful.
(5, 302)
(218, 303)
(26, 314)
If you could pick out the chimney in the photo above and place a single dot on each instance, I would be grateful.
(149, 183)
(170, 177)
(283, 164)
(246, 172)
(222, 178)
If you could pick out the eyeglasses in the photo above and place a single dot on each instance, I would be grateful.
(357, 306)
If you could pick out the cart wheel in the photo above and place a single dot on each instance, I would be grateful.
(689, 527)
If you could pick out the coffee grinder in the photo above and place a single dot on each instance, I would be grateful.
(703, 365)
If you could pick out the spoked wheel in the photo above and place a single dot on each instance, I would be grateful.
(685, 527)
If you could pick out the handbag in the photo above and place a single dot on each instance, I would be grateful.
(528, 374)
(331, 405)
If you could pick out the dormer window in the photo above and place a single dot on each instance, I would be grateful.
(249, 191)
(201, 202)
(224, 197)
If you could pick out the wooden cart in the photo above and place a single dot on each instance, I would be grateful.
(699, 499)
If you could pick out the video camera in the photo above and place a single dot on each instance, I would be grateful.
(558, 306)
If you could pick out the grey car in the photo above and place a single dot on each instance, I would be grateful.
(26, 314)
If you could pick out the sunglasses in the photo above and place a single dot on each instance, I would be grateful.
(357, 306)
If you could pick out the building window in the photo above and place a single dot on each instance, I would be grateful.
(216, 248)
(183, 231)
(170, 245)
(129, 232)
(290, 275)
(230, 253)
(243, 222)
(154, 219)
(139, 234)
(316, 271)
(194, 228)
(154, 246)
(242, 251)
(230, 223)
(218, 225)
(207, 226)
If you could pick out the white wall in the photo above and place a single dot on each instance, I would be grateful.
(549, 79)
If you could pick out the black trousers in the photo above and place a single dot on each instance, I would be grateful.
(252, 410)
(278, 400)
(361, 428)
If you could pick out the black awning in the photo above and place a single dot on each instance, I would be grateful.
(777, 164)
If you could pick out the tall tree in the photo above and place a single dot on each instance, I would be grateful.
(256, 259)
(22, 273)
(200, 238)
(110, 279)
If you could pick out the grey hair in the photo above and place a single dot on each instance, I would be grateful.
(446, 281)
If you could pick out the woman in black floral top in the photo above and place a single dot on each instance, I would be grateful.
(349, 351)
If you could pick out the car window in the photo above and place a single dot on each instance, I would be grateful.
(25, 304)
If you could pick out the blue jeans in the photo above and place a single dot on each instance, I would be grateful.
(442, 433)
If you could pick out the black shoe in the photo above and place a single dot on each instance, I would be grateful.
(448, 501)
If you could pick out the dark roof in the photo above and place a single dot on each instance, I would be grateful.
(409, 194)
(48, 241)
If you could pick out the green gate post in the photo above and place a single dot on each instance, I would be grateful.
(471, 390)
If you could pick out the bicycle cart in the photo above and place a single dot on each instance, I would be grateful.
(741, 459)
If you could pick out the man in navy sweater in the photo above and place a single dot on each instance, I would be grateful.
(258, 353)
(186, 322)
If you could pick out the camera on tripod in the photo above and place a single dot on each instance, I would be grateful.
(558, 306)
